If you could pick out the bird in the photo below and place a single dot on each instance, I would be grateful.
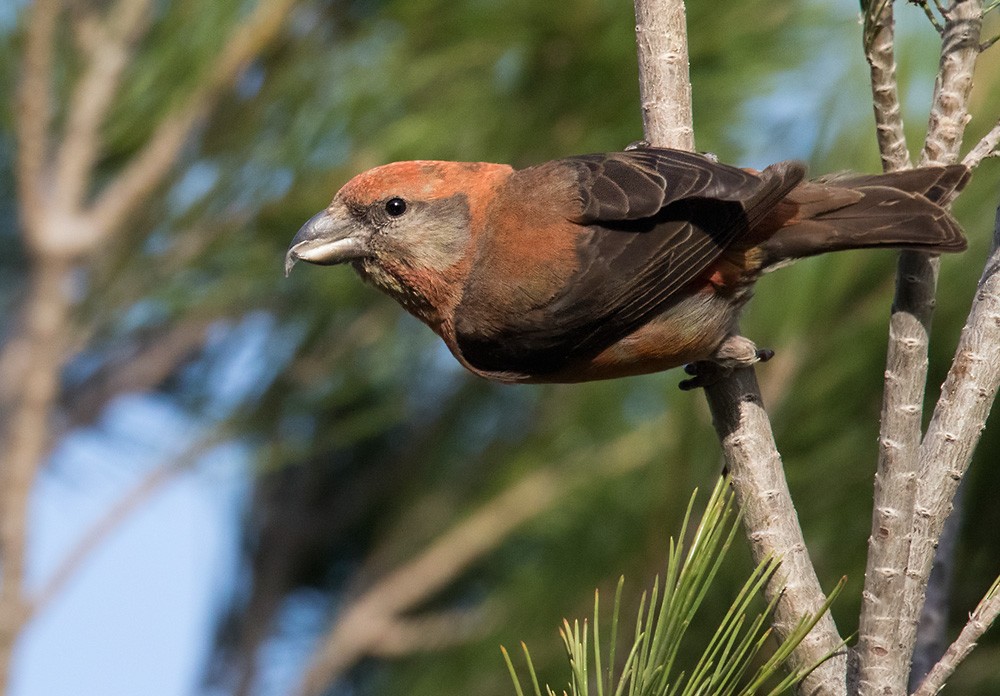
(613, 264)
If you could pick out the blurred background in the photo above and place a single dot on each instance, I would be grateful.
(234, 462)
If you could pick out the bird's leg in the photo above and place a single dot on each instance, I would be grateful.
(735, 351)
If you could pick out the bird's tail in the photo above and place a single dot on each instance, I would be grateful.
(902, 210)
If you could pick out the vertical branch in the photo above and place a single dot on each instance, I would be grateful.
(942, 461)
(744, 431)
(949, 109)
(772, 527)
(879, 37)
(26, 441)
(59, 232)
(664, 80)
(34, 110)
(879, 665)
(893, 595)
(882, 666)
(109, 55)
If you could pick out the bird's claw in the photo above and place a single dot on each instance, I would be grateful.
(705, 373)
(638, 145)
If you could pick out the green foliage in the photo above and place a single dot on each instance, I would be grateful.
(650, 668)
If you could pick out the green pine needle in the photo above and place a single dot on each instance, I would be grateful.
(725, 667)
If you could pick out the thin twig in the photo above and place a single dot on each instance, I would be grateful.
(938, 27)
(987, 147)
(979, 622)
(933, 627)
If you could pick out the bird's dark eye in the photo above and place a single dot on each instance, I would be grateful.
(395, 206)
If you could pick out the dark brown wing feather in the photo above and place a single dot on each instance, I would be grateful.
(655, 220)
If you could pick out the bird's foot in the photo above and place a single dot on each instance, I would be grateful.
(764, 354)
(638, 145)
(705, 373)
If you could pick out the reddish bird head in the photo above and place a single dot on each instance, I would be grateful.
(406, 227)
(602, 266)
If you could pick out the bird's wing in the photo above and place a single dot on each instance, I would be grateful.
(651, 221)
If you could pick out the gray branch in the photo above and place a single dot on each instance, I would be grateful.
(769, 519)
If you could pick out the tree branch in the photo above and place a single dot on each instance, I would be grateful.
(987, 147)
(889, 616)
(26, 438)
(906, 367)
(34, 110)
(880, 53)
(112, 519)
(371, 622)
(147, 169)
(946, 125)
(769, 517)
(979, 622)
(772, 527)
(664, 80)
(958, 420)
(933, 626)
(110, 52)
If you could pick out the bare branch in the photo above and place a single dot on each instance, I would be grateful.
(880, 53)
(26, 439)
(933, 627)
(139, 368)
(890, 613)
(34, 110)
(959, 418)
(110, 52)
(931, 17)
(430, 632)
(664, 82)
(987, 147)
(148, 168)
(880, 664)
(744, 430)
(979, 622)
(366, 623)
(772, 527)
(949, 109)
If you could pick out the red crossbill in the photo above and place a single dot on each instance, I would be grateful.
(607, 265)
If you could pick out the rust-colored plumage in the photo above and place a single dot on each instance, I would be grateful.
(602, 266)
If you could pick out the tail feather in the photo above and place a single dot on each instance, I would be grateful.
(899, 210)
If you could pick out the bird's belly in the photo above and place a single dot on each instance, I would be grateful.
(689, 331)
